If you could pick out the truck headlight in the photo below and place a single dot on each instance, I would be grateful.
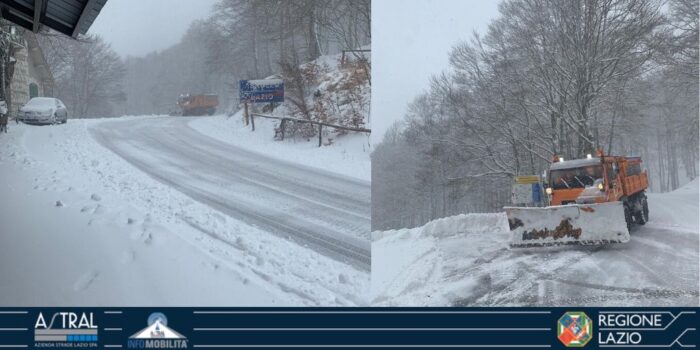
(548, 190)
(600, 187)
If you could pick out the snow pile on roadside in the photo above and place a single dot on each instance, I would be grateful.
(678, 208)
(475, 223)
(465, 261)
(347, 153)
(94, 230)
(342, 95)
(334, 92)
(407, 264)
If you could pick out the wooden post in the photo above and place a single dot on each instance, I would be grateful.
(282, 126)
(252, 121)
(245, 112)
(320, 135)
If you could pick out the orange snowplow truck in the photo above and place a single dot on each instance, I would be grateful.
(196, 105)
(594, 200)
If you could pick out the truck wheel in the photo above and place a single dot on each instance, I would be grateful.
(628, 217)
(644, 213)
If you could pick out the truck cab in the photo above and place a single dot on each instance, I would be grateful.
(600, 179)
(197, 105)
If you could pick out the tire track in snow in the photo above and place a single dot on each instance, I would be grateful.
(165, 141)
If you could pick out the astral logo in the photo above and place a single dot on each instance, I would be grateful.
(157, 335)
(574, 329)
(65, 330)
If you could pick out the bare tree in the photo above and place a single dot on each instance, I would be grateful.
(548, 77)
(88, 73)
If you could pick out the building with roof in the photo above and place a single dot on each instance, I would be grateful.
(32, 75)
(69, 17)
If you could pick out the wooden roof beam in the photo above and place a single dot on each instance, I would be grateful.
(89, 6)
(39, 13)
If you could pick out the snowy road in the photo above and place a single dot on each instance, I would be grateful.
(80, 225)
(454, 264)
(327, 212)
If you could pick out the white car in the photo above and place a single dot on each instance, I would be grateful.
(43, 110)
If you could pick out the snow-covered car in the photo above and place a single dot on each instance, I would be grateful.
(43, 110)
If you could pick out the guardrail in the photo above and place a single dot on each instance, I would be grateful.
(284, 121)
(344, 52)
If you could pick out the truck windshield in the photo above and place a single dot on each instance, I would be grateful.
(575, 177)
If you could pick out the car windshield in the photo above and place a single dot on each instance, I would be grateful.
(41, 102)
(575, 177)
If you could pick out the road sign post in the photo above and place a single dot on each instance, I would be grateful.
(245, 112)
(259, 91)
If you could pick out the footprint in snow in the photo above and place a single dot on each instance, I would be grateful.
(99, 210)
(127, 257)
(137, 234)
(85, 281)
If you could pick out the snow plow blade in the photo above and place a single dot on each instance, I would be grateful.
(585, 224)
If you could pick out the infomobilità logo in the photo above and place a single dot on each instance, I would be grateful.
(575, 329)
(157, 335)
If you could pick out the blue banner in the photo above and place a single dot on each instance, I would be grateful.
(213, 328)
(261, 91)
(536, 194)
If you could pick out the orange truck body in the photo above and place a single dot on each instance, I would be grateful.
(592, 201)
(625, 182)
(196, 105)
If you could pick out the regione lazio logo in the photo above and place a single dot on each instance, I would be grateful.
(157, 335)
(574, 329)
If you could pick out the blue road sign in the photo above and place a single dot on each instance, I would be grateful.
(536, 193)
(261, 91)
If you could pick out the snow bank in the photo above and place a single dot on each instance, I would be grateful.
(467, 224)
(407, 264)
(476, 223)
(465, 261)
(678, 208)
(349, 155)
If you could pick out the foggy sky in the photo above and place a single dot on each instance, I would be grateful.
(410, 42)
(138, 27)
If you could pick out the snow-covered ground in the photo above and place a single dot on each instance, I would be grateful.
(80, 225)
(465, 261)
(349, 154)
(181, 211)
